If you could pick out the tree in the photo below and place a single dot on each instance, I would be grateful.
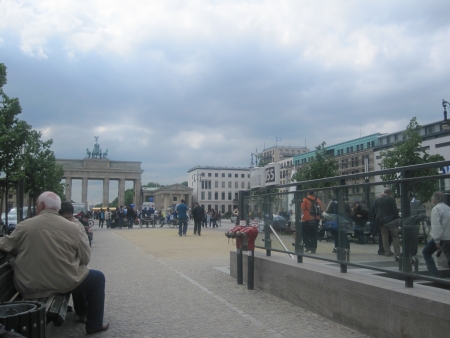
(185, 183)
(42, 171)
(13, 133)
(129, 196)
(153, 185)
(320, 166)
(410, 152)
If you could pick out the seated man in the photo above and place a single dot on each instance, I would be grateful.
(51, 256)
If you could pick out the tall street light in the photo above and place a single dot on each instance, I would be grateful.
(446, 123)
(197, 178)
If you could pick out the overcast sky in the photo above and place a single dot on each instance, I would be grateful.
(175, 84)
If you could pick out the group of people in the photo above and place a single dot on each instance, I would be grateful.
(385, 220)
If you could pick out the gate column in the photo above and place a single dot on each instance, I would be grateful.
(68, 193)
(105, 201)
(84, 188)
(121, 196)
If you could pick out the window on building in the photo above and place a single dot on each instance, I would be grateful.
(242, 185)
(236, 175)
(223, 208)
(203, 174)
(236, 196)
(216, 207)
(243, 175)
(229, 196)
(229, 184)
(351, 149)
(229, 175)
(223, 174)
(236, 185)
(248, 175)
(209, 206)
(223, 196)
(206, 184)
(223, 184)
(203, 195)
(209, 195)
(216, 196)
(175, 199)
(209, 174)
(229, 208)
(216, 175)
(216, 184)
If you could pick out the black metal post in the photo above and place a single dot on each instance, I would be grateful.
(298, 227)
(240, 272)
(251, 269)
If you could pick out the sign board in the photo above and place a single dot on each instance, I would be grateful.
(272, 174)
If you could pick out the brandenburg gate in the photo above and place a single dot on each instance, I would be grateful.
(96, 166)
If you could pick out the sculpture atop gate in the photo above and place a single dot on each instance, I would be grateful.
(97, 151)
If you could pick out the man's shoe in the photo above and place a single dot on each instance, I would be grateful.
(388, 254)
(82, 319)
(104, 327)
(199, 234)
(306, 250)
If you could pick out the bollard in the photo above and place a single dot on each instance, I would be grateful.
(240, 272)
(251, 269)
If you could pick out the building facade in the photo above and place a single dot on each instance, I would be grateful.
(435, 140)
(218, 187)
(278, 153)
(354, 156)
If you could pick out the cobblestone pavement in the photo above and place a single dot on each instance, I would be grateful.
(161, 285)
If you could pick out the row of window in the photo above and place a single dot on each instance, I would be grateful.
(222, 195)
(207, 185)
(223, 175)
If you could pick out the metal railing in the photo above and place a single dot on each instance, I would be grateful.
(279, 213)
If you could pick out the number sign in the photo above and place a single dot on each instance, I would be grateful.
(270, 175)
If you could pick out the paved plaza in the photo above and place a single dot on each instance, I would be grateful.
(161, 285)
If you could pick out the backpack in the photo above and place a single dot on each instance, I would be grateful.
(314, 208)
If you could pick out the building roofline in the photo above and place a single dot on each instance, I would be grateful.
(217, 168)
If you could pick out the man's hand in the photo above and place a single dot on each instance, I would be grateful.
(438, 245)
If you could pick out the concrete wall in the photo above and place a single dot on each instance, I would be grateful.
(374, 305)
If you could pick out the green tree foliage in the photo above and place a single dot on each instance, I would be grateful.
(129, 197)
(42, 171)
(321, 166)
(153, 185)
(185, 183)
(13, 133)
(261, 161)
(410, 152)
(23, 155)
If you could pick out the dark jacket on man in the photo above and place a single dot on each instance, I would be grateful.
(198, 213)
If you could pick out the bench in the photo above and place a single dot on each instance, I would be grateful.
(55, 306)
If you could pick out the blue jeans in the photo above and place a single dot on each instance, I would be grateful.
(182, 226)
(92, 292)
(427, 252)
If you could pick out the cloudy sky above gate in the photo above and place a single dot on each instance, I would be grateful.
(176, 84)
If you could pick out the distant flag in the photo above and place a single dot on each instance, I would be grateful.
(278, 139)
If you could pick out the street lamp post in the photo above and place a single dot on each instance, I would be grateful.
(445, 124)
(197, 178)
(256, 158)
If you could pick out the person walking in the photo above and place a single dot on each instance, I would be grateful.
(440, 233)
(197, 214)
(386, 214)
(182, 210)
(311, 208)
(108, 216)
(101, 218)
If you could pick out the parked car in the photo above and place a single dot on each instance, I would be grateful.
(12, 220)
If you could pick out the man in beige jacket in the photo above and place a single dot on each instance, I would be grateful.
(51, 256)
